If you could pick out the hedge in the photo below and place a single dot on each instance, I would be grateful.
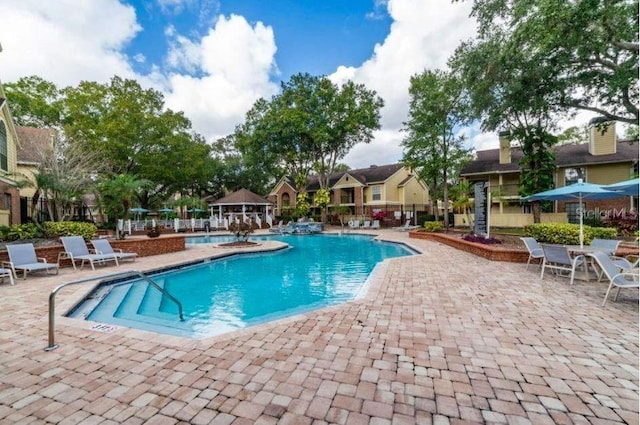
(69, 228)
(566, 233)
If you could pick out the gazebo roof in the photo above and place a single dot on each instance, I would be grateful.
(242, 197)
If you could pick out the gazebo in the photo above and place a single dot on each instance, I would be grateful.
(241, 205)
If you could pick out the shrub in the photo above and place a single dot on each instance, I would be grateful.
(626, 227)
(604, 232)
(379, 215)
(70, 228)
(22, 231)
(567, 233)
(433, 226)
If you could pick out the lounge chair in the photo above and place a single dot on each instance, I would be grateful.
(375, 224)
(102, 246)
(354, 224)
(608, 246)
(366, 224)
(626, 279)
(556, 258)
(407, 226)
(22, 257)
(76, 249)
(534, 248)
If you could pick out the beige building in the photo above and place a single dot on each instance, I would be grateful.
(10, 203)
(392, 189)
(603, 159)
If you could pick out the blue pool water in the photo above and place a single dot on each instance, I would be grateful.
(244, 290)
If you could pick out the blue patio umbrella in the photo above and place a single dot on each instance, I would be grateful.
(165, 210)
(579, 191)
(138, 210)
(626, 188)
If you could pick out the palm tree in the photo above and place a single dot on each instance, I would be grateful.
(118, 192)
(462, 201)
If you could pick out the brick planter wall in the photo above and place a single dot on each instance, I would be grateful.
(144, 248)
(498, 253)
(490, 252)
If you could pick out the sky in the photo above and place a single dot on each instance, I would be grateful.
(212, 59)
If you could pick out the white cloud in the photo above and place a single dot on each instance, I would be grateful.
(235, 60)
(423, 35)
(65, 41)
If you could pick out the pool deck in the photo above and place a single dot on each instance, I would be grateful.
(440, 338)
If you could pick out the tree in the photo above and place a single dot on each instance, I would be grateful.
(118, 192)
(63, 175)
(510, 93)
(585, 52)
(432, 147)
(126, 126)
(310, 125)
(35, 102)
(462, 200)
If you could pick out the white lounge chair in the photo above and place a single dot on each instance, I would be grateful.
(22, 257)
(556, 258)
(76, 249)
(354, 224)
(375, 224)
(626, 279)
(102, 246)
(366, 224)
(534, 248)
(407, 226)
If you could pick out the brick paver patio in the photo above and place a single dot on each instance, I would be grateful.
(440, 338)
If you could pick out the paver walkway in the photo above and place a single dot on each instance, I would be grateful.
(441, 338)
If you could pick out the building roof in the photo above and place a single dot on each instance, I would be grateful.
(33, 142)
(370, 175)
(488, 161)
(241, 197)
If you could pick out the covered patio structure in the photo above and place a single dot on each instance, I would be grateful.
(241, 205)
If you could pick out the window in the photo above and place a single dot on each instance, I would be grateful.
(3, 147)
(7, 201)
(526, 208)
(572, 175)
(286, 200)
(376, 193)
(573, 212)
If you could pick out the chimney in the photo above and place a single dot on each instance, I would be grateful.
(602, 136)
(505, 147)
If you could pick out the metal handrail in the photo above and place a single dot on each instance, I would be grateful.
(52, 299)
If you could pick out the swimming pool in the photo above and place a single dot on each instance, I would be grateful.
(244, 290)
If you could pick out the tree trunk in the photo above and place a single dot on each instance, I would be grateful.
(535, 208)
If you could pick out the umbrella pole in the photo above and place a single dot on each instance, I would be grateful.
(581, 222)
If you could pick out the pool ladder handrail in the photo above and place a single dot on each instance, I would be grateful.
(52, 298)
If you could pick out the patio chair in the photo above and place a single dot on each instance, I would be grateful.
(76, 249)
(407, 226)
(366, 224)
(22, 257)
(557, 258)
(102, 246)
(6, 273)
(625, 279)
(534, 248)
(375, 224)
(608, 246)
(354, 224)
